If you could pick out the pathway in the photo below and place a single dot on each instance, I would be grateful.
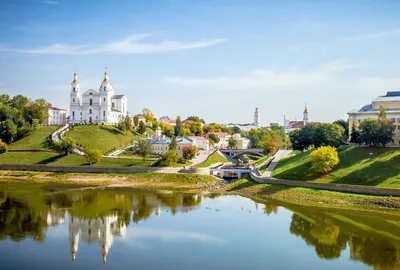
(278, 156)
(57, 135)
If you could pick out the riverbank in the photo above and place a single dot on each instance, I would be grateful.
(209, 184)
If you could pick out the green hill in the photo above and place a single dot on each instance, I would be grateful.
(104, 138)
(358, 166)
(213, 159)
(34, 141)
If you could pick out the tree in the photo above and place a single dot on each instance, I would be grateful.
(65, 145)
(327, 134)
(369, 131)
(324, 158)
(8, 131)
(35, 124)
(236, 129)
(168, 131)
(385, 131)
(136, 120)
(382, 112)
(169, 158)
(189, 152)
(3, 147)
(194, 127)
(214, 138)
(232, 143)
(345, 125)
(355, 136)
(271, 144)
(154, 124)
(143, 148)
(173, 145)
(142, 127)
(178, 127)
(125, 124)
(196, 119)
(93, 156)
(211, 142)
(214, 127)
(148, 115)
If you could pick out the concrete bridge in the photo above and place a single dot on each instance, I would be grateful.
(233, 153)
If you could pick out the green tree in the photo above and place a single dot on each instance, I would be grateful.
(324, 158)
(326, 134)
(236, 129)
(125, 124)
(35, 124)
(3, 147)
(173, 145)
(345, 125)
(142, 127)
(143, 148)
(385, 131)
(271, 144)
(214, 137)
(195, 127)
(189, 152)
(169, 158)
(148, 115)
(92, 156)
(136, 120)
(169, 131)
(369, 131)
(196, 119)
(355, 136)
(154, 124)
(8, 131)
(65, 145)
(382, 112)
(178, 127)
(232, 143)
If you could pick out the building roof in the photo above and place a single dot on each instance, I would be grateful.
(296, 124)
(169, 121)
(391, 96)
(219, 134)
(56, 109)
(160, 140)
(197, 138)
(117, 96)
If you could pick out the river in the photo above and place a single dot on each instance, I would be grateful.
(46, 226)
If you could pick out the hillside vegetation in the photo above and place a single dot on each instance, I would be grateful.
(34, 141)
(358, 166)
(213, 159)
(104, 138)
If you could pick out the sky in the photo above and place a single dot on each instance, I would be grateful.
(218, 59)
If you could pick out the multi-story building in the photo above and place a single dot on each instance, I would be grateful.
(390, 101)
(201, 142)
(223, 138)
(56, 117)
(161, 145)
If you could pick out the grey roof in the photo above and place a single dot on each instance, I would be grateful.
(158, 140)
(393, 94)
(117, 96)
(366, 108)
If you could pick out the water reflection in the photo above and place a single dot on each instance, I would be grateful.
(101, 216)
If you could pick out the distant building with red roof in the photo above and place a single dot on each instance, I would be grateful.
(292, 125)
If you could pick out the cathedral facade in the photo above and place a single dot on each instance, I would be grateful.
(92, 106)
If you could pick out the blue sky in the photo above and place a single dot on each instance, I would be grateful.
(218, 59)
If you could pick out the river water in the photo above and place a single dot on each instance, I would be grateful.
(48, 227)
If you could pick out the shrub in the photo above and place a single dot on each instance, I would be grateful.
(3, 147)
(65, 145)
(93, 156)
(168, 158)
(324, 158)
(189, 152)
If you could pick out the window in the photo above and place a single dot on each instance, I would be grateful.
(73, 114)
(90, 111)
(73, 100)
(81, 113)
(104, 88)
(104, 113)
(90, 102)
(104, 99)
(74, 89)
(113, 105)
(90, 93)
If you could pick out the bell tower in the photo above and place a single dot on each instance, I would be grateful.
(106, 92)
(75, 100)
(257, 118)
(305, 115)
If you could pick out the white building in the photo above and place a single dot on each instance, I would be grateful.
(292, 125)
(56, 117)
(200, 141)
(223, 138)
(92, 106)
(242, 143)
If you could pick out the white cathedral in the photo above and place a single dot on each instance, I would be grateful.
(93, 106)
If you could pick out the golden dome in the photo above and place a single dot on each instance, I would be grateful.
(305, 110)
(75, 81)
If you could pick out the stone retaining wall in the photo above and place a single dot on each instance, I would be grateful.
(328, 186)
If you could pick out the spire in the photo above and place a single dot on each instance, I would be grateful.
(75, 81)
(305, 109)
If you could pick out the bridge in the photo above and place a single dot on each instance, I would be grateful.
(233, 153)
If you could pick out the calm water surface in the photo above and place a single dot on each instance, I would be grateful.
(46, 227)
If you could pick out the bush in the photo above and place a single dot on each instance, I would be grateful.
(189, 152)
(93, 156)
(324, 158)
(65, 145)
(3, 147)
(168, 158)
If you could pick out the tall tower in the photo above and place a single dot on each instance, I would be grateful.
(305, 115)
(75, 101)
(106, 92)
(257, 118)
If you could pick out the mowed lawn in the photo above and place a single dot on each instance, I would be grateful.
(213, 159)
(104, 138)
(358, 166)
(52, 158)
(34, 141)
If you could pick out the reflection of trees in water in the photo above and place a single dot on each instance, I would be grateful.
(329, 242)
(18, 222)
(29, 217)
(270, 208)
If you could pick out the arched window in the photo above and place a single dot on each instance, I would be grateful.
(104, 113)
(113, 105)
(73, 100)
(74, 89)
(90, 111)
(90, 102)
(104, 88)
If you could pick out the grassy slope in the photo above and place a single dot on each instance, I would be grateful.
(360, 166)
(34, 140)
(104, 138)
(212, 159)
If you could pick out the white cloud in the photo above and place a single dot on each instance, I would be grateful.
(268, 79)
(130, 45)
(375, 35)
